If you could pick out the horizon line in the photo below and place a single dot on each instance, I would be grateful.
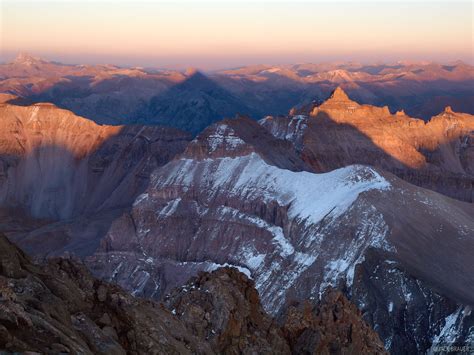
(178, 67)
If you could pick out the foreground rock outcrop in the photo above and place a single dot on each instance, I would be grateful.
(438, 155)
(61, 308)
(334, 326)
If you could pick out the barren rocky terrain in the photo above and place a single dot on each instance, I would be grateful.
(60, 308)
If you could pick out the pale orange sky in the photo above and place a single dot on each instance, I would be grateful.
(230, 33)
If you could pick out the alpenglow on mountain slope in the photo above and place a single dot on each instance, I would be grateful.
(438, 154)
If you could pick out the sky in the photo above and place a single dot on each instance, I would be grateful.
(226, 33)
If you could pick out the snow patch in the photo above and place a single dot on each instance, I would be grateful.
(224, 136)
(311, 197)
(214, 266)
(140, 198)
(170, 207)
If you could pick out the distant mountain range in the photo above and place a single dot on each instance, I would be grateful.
(193, 100)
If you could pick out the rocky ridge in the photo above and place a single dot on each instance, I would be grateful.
(61, 308)
(438, 155)
(62, 172)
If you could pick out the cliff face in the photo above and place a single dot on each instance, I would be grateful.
(59, 307)
(437, 155)
(56, 165)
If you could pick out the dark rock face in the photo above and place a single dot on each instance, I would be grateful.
(421, 315)
(60, 307)
(437, 155)
(333, 327)
(224, 307)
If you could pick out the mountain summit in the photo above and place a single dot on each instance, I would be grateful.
(24, 58)
(338, 100)
(339, 95)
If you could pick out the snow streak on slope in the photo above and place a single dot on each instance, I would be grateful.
(311, 197)
(227, 192)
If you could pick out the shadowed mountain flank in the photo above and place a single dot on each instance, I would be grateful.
(192, 105)
(58, 167)
(438, 155)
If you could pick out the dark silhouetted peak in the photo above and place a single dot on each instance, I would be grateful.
(196, 81)
(233, 311)
(448, 109)
(330, 319)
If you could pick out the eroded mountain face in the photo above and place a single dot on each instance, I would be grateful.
(391, 246)
(437, 155)
(56, 166)
(60, 308)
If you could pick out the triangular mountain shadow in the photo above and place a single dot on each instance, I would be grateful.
(192, 105)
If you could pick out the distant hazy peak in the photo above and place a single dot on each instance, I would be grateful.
(27, 59)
